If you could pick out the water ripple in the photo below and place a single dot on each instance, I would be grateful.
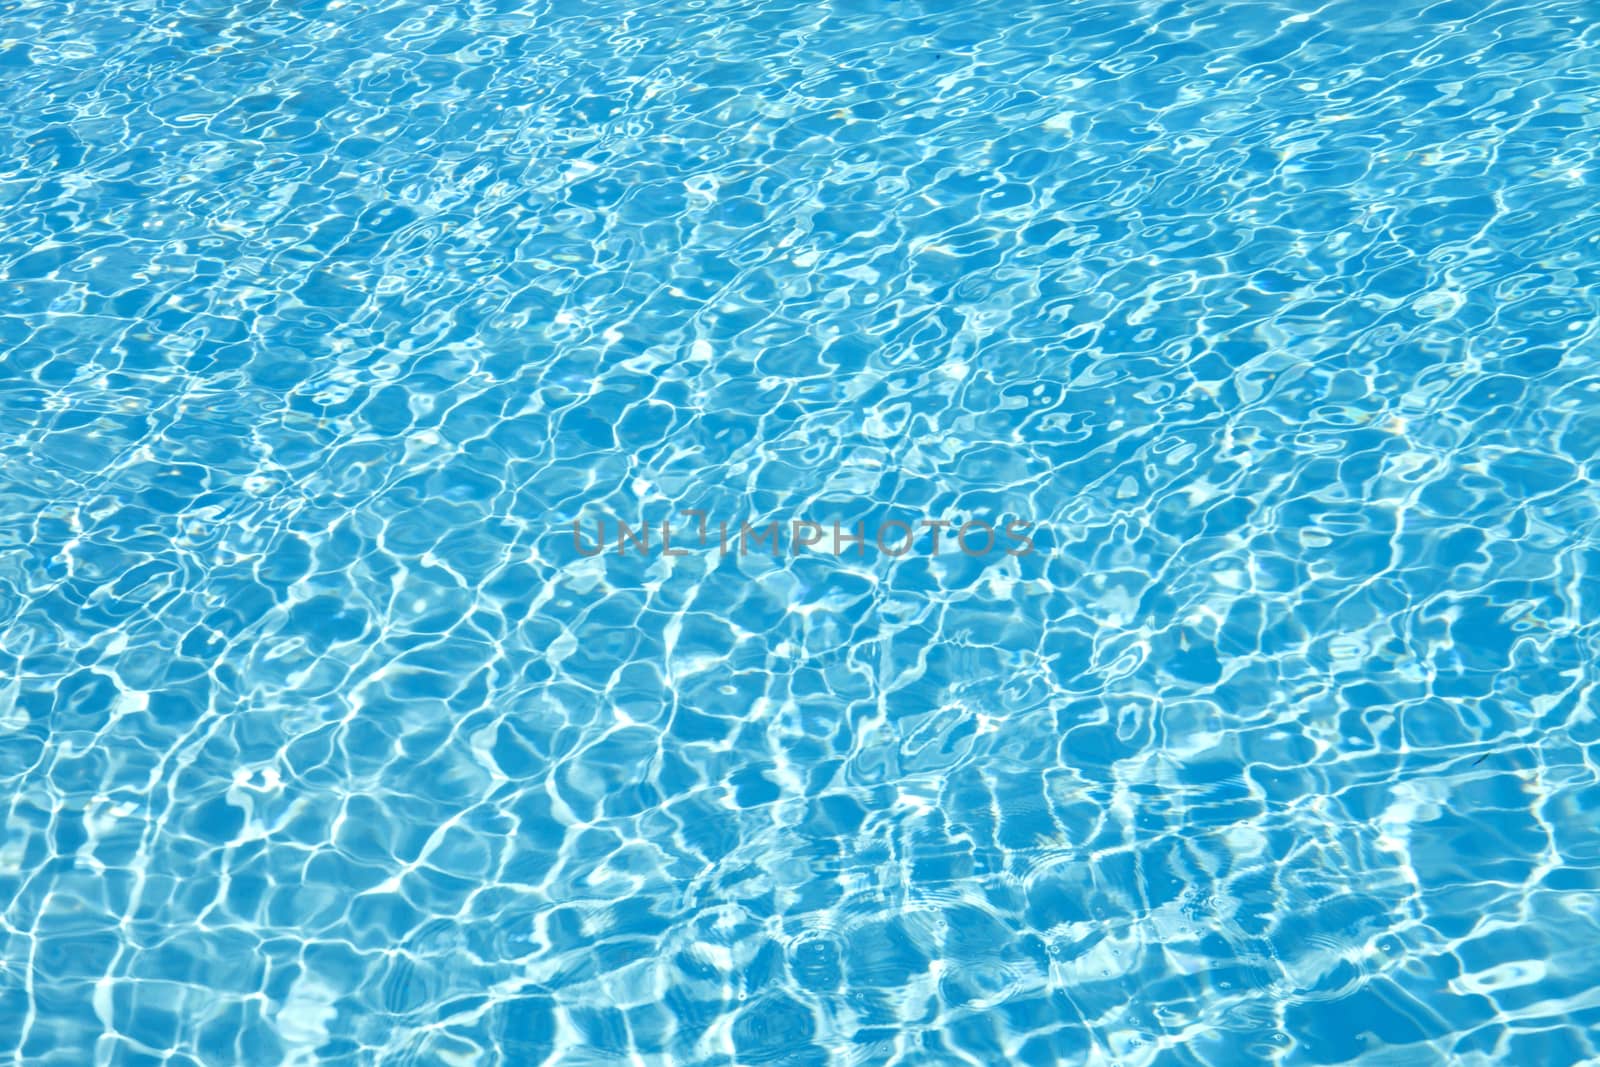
(321, 323)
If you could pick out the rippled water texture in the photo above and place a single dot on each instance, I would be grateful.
(321, 742)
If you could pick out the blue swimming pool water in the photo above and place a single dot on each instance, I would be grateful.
(326, 736)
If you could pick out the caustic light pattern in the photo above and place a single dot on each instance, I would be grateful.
(323, 321)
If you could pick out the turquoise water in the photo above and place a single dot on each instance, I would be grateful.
(1262, 338)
